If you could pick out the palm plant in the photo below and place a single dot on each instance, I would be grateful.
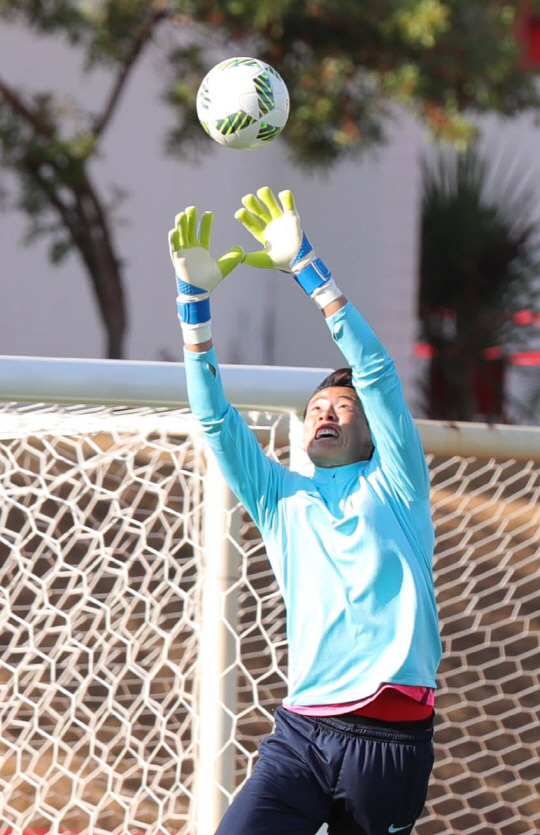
(478, 266)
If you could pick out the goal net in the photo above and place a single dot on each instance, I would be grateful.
(142, 641)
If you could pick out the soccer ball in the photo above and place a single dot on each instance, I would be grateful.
(243, 103)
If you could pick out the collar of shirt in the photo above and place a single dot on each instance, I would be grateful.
(347, 472)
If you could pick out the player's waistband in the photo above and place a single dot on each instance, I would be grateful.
(372, 722)
(364, 726)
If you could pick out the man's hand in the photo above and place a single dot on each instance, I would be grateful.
(276, 227)
(286, 245)
(197, 273)
(190, 254)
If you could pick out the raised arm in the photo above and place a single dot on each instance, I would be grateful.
(249, 473)
(394, 434)
(197, 275)
(287, 248)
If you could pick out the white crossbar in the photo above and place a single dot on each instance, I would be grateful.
(261, 388)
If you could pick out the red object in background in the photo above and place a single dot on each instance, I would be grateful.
(526, 317)
(527, 29)
(525, 358)
(523, 317)
(424, 351)
(531, 37)
(485, 383)
(494, 353)
(488, 381)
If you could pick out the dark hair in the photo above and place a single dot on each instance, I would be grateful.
(340, 377)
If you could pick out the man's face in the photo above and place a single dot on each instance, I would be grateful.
(335, 428)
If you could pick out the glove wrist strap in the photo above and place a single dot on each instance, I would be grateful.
(194, 319)
(312, 276)
(316, 280)
(193, 312)
(326, 293)
(194, 334)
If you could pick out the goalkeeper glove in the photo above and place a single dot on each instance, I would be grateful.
(286, 246)
(197, 273)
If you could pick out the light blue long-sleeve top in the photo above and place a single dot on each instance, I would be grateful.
(351, 546)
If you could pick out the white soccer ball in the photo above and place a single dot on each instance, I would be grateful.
(243, 103)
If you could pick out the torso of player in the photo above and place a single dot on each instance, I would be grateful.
(353, 561)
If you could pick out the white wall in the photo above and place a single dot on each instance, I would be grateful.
(362, 218)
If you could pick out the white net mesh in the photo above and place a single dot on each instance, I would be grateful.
(102, 585)
(487, 775)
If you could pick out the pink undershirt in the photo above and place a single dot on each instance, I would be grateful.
(391, 702)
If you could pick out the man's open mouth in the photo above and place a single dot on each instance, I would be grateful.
(326, 432)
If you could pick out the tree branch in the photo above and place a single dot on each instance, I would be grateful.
(14, 101)
(88, 227)
(32, 166)
(121, 79)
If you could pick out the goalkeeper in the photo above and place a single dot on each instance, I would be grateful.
(351, 548)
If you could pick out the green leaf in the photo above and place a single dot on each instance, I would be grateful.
(59, 249)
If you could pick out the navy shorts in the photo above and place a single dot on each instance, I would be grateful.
(361, 777)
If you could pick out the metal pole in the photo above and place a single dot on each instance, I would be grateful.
(298, 458)
(218, 651)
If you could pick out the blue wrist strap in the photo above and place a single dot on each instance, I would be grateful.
(313, 276)
(194, 313)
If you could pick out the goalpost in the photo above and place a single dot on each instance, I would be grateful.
(142, 643)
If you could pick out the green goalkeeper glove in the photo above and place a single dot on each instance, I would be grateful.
(197, 273)
(286, 246)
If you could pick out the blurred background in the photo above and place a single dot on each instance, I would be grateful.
(412, 150)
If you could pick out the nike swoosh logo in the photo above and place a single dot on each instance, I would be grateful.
(393, 828)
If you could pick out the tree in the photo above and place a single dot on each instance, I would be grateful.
(345, 63)
(479, 268)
